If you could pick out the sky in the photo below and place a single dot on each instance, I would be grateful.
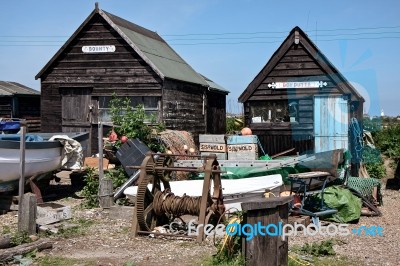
(227, 41)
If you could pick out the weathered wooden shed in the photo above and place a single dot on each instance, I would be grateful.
(300, 100)
(19, 101)
(108, 54)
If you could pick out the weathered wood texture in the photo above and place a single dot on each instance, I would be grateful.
(76, 79)
(216, 113)
(266, 249)
(20, 106)
(274, 142)
(296, 64)
(8, 254)
(5, 241)
(183, 107)
(27, 214)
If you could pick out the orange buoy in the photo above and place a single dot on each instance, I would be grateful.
(246, 131)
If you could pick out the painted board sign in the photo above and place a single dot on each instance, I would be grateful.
(297, 84)
(243, 148)
(98, 49)
(212, 147)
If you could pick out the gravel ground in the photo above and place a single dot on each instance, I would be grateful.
(107, 241)
(369, 250)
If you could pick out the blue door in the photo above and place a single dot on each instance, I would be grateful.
(331, 123)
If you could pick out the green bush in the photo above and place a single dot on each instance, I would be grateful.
(388, 140)
(134, 123)
(373, 161)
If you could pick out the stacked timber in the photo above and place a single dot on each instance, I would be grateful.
(213, 144)
(242, 147)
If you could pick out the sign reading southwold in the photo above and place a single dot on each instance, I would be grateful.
(213, 147)
(98, 49)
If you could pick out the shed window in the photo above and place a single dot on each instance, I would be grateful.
(150, 104)
(274, 111)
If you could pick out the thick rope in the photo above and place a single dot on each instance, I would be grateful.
(167, 203)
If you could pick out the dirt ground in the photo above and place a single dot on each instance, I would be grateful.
(104, 238)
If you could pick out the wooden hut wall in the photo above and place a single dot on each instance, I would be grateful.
(78, 79)
(6, 107)
(297, 65)
(29, 107)
(216, 113)
(183, 107)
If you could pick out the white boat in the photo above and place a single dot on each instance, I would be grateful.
(41, 156)
(235, 191)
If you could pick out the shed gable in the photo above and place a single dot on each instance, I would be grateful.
(298, 60)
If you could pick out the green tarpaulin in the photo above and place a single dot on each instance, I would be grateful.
(348, 205)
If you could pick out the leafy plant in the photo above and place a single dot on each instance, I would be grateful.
(388, 140)
(324, 248)
(91, 189)
(134, 123)
(233, 124)
(20, 238)
(117, 175)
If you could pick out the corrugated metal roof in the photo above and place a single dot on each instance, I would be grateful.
(8, 88)
(165, 59)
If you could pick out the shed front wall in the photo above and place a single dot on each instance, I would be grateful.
(123, 72)
(296, 65)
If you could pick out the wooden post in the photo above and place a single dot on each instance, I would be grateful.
(21, 188)
(27, 214)
(266, 250)
(105, 185)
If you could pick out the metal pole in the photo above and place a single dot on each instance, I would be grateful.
(22, 163)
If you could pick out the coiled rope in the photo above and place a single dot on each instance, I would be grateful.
(167, 203)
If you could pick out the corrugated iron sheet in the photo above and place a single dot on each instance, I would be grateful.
(8, 88)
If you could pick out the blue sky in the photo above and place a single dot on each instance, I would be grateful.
(227, 41)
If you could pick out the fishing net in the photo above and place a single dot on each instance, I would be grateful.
(176, 141)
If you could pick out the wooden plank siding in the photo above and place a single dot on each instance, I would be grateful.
(123, 72)
(182, 107)
(295, 65)
(216, 114)
(72, 80)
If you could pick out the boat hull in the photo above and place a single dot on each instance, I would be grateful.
(40, 157)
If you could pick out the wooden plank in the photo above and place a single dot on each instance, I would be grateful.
(27, 214)
(242, 148)
(251, 139)
(243, 156)
(212, 138)
(42, 243)
(220, 156)
(296, 65)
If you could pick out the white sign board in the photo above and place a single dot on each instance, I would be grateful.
(98, 49)
(297, 84)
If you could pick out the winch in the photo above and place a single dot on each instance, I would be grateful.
(156, 205)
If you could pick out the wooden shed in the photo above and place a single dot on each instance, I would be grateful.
(300, 100)
(108, 54)
(19, 101)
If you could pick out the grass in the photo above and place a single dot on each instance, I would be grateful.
(218, 261)
(61, 261)
(81, 229)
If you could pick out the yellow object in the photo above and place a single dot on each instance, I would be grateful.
(228, 239)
